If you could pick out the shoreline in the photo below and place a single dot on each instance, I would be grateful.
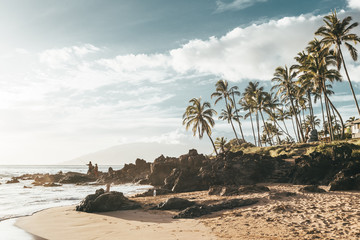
(330, 215)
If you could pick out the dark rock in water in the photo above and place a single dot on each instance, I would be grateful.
(13, 180)
(175, 204)
(74, 178)
(312, 189)
(150, 192)
(197, 211)
(280, 195)
(104, 202)
(344, 183)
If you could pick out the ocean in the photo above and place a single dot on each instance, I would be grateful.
(22, 199)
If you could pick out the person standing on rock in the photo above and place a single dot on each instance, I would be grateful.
(96, 170)
(91, 168)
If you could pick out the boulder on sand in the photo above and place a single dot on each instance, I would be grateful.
(175, 204)
(104, 202)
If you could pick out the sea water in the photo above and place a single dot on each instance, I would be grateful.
(21, 199)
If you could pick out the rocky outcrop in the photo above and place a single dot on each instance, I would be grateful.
(76, 178)
(13, 180)
(174, 204)
(166, 170)
(200, 210)
(342, 182)
(336, 167)
(130, 173)
(104, 202)
(312, 189)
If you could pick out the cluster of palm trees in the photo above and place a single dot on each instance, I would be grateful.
(291, 97)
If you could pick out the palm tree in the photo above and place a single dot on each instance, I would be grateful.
(319, 60)
(200, 117)
(335, 32)
(233, 92)
(248, 105)
(284, 77)
(224, 92)
(220, 143)
(253, 97)
(228, 114)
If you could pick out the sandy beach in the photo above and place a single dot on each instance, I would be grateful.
(330, 215)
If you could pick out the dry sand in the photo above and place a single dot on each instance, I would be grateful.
(331, 215)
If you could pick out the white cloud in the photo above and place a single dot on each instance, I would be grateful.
(248, 53)
(354, 4)
(235, 5)
(60, 58)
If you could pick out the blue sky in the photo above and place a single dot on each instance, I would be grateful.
(81, 76)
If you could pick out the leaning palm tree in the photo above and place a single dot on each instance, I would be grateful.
(334, 33)
(200, 117)
(228, 114)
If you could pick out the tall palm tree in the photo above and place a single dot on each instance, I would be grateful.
(233, 92)
(248, 106)
(252, 96)
(334, 33)
(228, 114)
(223, 91)
(320, 59)
(260, 99)
(284, 77)
(200, 117)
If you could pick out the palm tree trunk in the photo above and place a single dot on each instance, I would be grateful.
(252, 126)
(276, 123)
(311, 110)
(258, 128)
(212, 142)
(296, 119)
(347, 75)
(266, 129)
(323, 115)
(237, 116)
(341, 120)
(232, 125)
(328, 113)
(296, 136)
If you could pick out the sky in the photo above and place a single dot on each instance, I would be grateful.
(81, 76)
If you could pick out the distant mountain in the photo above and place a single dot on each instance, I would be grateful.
(128, 153)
